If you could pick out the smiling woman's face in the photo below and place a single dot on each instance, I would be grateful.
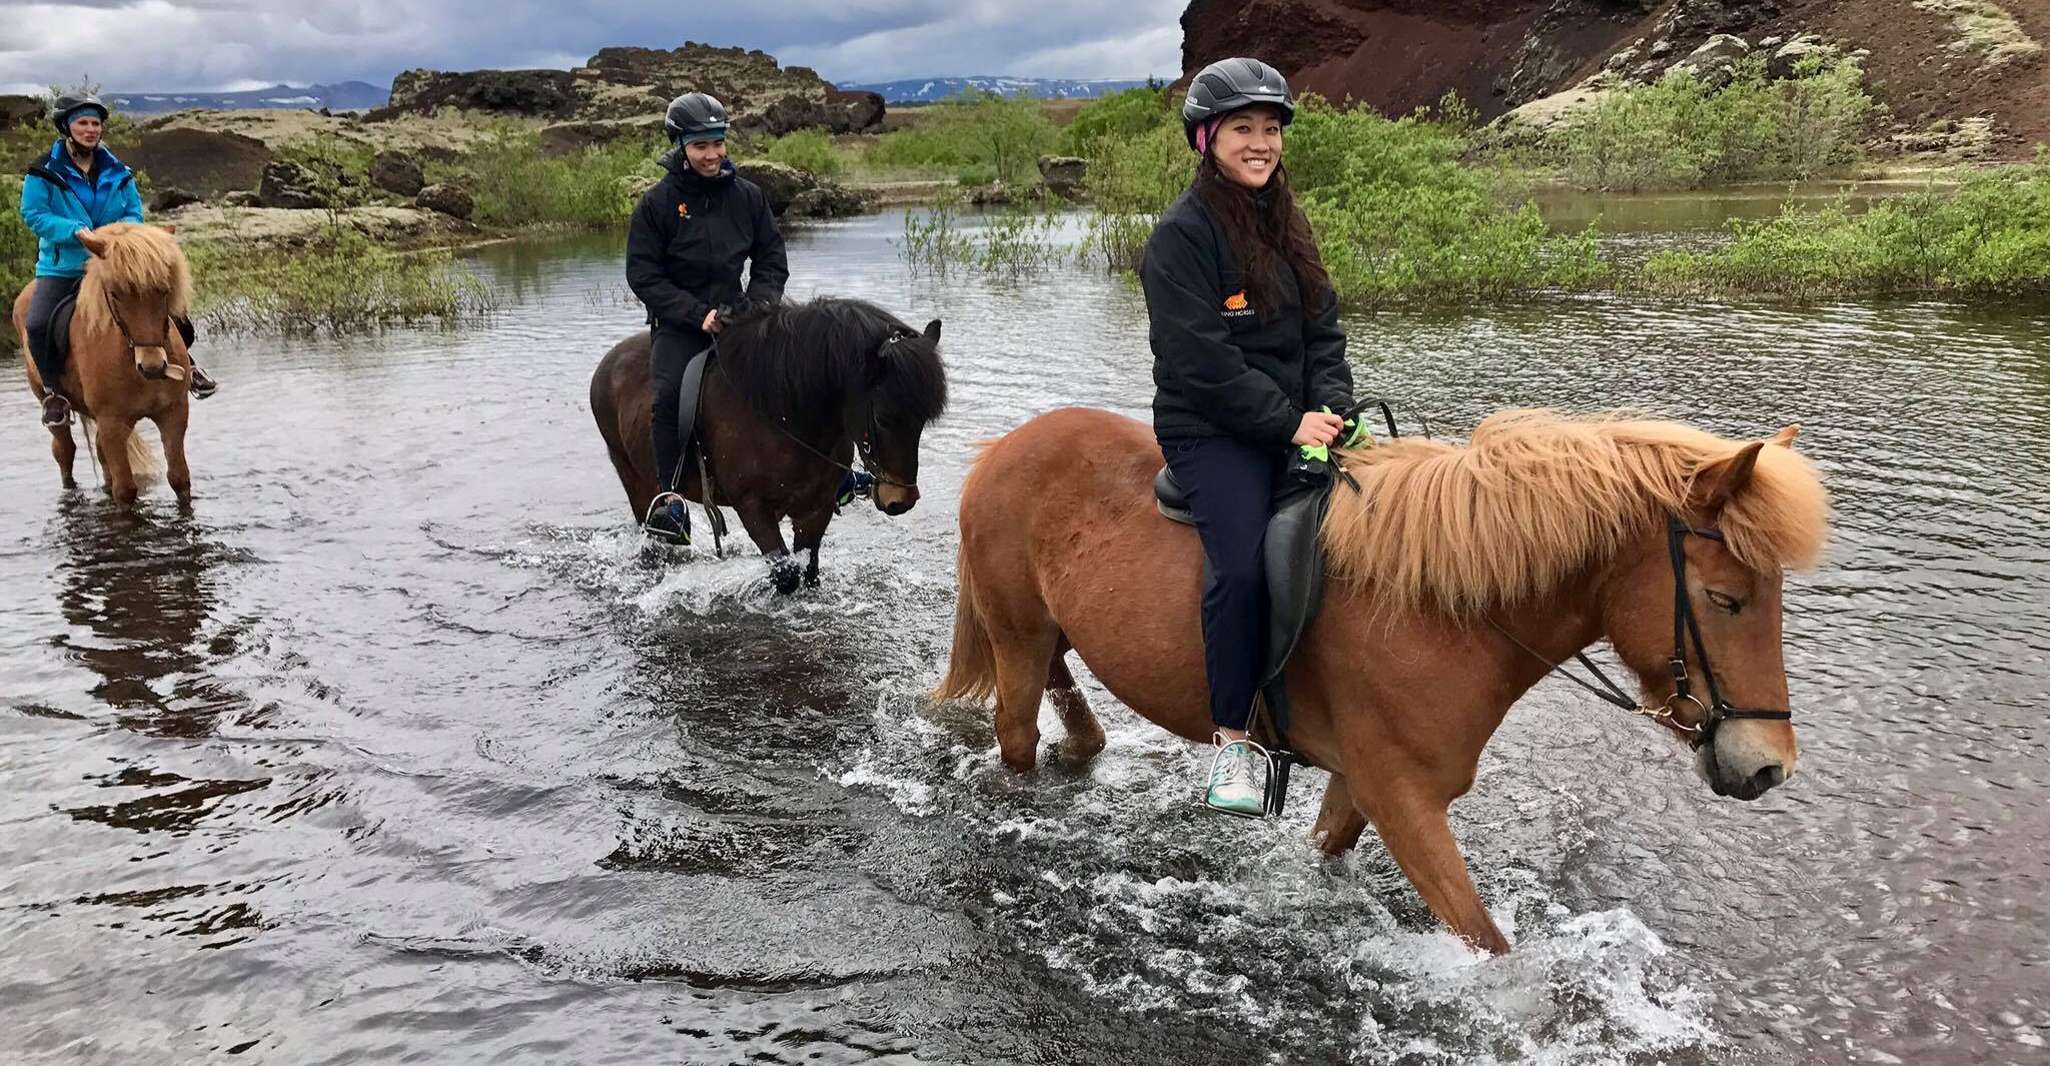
(1248, 146)
(86, 130)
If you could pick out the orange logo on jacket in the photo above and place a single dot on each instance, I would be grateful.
(683, 211)
(1236, 301)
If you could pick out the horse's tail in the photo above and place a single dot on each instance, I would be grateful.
(972, 668)
(145, 450)
(145, 454)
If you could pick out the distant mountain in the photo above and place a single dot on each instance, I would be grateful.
(348, 96)
(933, 90)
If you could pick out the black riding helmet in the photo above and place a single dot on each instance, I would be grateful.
(70, 105)
(1230, 84)
(695, 117)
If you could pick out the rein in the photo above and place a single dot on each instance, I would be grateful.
(1708, 716)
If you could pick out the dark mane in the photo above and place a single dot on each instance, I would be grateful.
(801, 361)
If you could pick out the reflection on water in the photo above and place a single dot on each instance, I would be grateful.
(401, 747)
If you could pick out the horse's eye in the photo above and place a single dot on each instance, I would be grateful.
(1725, 601)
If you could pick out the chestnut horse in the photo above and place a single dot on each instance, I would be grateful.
(1459, 577)
(126, 360)
(793, 395)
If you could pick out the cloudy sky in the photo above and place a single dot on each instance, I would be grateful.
(132, 45)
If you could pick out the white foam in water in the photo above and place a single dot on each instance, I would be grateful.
(1576, 989)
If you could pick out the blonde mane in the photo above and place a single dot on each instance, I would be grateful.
(1536, 495)
(139, 259)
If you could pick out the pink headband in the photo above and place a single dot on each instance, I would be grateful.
(1206, 132)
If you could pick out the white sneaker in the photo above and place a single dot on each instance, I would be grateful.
(1238, 778)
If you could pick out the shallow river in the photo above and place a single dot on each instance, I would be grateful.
(397, 749)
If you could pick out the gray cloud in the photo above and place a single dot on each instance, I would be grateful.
(213, 44)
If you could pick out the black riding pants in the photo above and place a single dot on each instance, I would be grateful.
(670, 354)
(42, 304)
(1230, 486)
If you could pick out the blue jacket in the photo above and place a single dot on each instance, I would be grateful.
(57, 201)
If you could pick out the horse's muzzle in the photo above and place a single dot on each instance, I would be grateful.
(894, 500)
(155, 364)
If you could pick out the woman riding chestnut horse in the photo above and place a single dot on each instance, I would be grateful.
(1459, 576)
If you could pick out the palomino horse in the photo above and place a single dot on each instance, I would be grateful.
(1460, 576)
(792, 396)
(126, 361)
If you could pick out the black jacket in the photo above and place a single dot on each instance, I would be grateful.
(688, 239)
(1220, 366)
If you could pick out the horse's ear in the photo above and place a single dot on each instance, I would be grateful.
(170, 227)
(1716, 484)
(95, 243)
(1785, 438)
(932, 331)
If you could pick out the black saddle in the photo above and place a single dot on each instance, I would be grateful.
(690, 403)
(60, 329)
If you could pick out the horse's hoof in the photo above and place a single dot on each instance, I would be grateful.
(787, 578)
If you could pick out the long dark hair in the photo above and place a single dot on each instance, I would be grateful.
(1267, 231)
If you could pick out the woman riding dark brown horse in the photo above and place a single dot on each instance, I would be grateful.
(792, 395)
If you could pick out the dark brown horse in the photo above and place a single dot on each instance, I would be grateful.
(1459, 577)
(126, 362)
(793, 396)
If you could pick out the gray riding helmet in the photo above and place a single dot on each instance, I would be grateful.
(695, 117)
(70, 105)
(1230, 84)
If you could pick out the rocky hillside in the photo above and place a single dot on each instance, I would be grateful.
(634, 85)
(1937, 64)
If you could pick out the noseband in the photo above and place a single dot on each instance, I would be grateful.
(1707, 717)
(171, 369)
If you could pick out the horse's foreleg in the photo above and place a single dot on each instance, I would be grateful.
(171, 428)
(765, 528)
(807, 532)
(65, 448)
(112, 444)
(1419, 835)
(1339, 822)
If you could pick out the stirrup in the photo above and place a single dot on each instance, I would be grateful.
(660, 506)
(63, 408)
(1266, 784)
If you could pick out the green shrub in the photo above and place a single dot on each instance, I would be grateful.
(17, 255)
(1989, 237)
(1677, 133)
(513, 184)
(346, 284)
(809, 150)
(1005, 135)
(1398, 218)
(1116, 118)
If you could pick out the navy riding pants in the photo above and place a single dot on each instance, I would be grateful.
(1230, 486)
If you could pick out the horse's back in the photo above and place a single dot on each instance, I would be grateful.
(1065, 455)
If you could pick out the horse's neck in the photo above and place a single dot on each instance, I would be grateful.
(819, 424)
(1557, 624)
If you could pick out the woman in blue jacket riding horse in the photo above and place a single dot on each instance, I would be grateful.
(1248, 360)
(78, 187)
